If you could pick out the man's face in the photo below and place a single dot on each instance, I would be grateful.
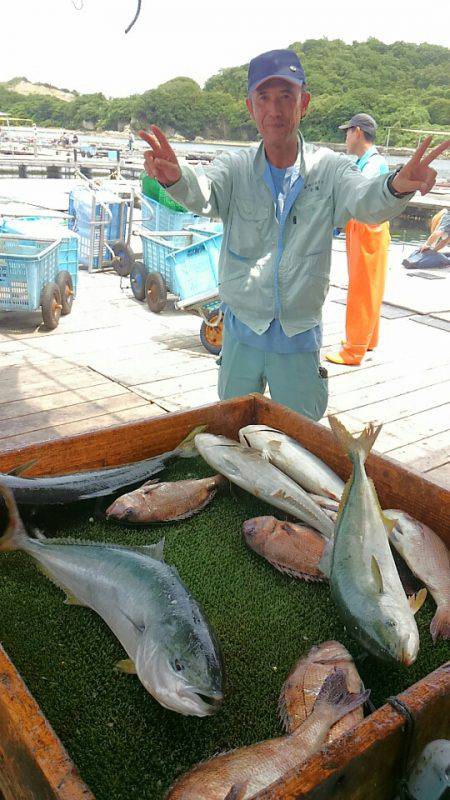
(277, 107)
(353, 141)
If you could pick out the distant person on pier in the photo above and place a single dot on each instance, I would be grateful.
(440, 231)
(75, 139)
(279, 203)
(130, 141)
(367, 253)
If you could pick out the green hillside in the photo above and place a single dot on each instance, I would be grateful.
(401, 84)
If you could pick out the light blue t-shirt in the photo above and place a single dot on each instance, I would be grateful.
(372, 163)
(285, 185)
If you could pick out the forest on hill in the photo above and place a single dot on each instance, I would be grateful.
(402, 85)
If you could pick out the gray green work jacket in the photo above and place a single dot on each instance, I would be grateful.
(233, 188)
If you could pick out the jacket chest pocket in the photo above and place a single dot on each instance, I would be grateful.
(315, 221)
(248, 229)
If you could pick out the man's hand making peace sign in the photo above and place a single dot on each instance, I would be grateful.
(416, 175)
(160, 161)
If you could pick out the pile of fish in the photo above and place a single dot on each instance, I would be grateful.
(354, 554)
(339, 535)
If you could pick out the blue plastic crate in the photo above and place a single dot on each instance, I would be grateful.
(195, 267)
(25, 267)
(154, 252)
(37, 228)
(156, 217)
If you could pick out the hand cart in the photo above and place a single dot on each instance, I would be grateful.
(31, 277)
(103, 221)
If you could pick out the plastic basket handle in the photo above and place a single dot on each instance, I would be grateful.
(21, 237)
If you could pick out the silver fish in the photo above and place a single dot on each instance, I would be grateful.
(300, 464)
(429, 559)
(143, 601)
(249, 470)
(363, 578)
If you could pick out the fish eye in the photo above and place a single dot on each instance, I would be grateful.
(178, 665)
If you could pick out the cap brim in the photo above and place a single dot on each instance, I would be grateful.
(345, 127)
(293, 80)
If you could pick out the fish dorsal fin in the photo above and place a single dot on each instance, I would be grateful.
(148, 487)
(376, 575)
(343, 500)
(388, 522)
(21, 468)
(126, 665)
(155, 551)
(71, 600)
(416, 601)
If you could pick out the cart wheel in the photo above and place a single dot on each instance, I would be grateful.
(138, 276)
(51, 305)
(64, 282)
(155, 292)
(211, 333)
(123, 258)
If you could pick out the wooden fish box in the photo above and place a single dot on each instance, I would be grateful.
(363, 765)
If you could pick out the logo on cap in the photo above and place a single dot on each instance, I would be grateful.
(292, 68)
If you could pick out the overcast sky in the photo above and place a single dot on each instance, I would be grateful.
(87, 50)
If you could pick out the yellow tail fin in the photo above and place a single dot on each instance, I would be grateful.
(355, 444)
(15, 534)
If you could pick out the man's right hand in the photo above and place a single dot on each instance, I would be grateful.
(160, 161)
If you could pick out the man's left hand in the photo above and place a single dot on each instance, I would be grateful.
(417, 175)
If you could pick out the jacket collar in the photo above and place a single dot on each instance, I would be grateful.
(260, 163)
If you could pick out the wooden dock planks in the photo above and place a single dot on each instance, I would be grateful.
(112, 361)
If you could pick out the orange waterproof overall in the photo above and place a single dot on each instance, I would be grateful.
(367, 255)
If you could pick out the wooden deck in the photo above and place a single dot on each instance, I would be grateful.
(112, 361)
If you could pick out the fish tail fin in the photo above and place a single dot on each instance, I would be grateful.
(237, 791)
(440, 624)
(15, 534)
(361, 444)
(335, 695)
(187, 448)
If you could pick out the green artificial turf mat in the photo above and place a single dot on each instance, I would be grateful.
(125, 745)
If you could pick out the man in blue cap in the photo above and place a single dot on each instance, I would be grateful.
(279, 204)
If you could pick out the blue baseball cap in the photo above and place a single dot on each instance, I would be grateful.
(275, 64)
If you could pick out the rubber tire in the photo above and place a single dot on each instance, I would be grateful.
(64, 282)
(155, 292)
(123, 260)
(51, 296)
(213, 347)
(138, 277)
